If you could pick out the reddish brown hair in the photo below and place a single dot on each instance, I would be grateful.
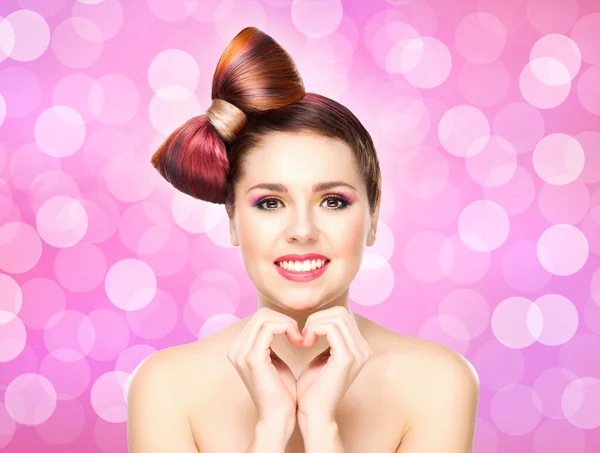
(259, 77)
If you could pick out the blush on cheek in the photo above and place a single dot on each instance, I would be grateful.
(352, 234)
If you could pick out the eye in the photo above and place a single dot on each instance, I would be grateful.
(338, 198)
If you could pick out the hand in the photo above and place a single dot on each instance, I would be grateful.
(270, 382)
(326, 380)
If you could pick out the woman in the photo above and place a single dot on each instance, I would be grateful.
(298, 175)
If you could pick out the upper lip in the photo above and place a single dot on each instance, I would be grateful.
(308, 256)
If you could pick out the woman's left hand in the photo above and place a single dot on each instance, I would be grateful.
(326, 380)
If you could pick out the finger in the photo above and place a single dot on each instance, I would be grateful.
(340, 351)
(261, 348)
(310, 338)
(330, 313)
(252, 342)
(363, 347)
(293, 333)
(349, 336)
(356, 342)
(238, 343)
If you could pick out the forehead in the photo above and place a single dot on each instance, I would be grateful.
(300, 155)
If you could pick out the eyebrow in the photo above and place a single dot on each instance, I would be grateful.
(317, 187)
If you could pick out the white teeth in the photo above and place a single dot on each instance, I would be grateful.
(298, 266)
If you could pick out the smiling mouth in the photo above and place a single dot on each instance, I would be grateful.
(301, 271)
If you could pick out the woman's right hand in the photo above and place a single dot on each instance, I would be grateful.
(269, 380)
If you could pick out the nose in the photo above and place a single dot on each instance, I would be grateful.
(301, 227)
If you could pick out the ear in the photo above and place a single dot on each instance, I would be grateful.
(373, 226)
(233, 233)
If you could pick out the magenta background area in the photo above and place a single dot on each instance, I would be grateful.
(485, 117)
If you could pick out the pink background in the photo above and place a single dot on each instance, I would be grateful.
(485, 117)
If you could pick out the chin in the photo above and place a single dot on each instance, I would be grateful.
(299, 307)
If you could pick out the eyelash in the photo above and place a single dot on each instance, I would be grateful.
(344, 200)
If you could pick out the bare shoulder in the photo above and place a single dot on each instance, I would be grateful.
(171, 370)
(428, 356)
(157, 403)
(420, 372)
(433, 381)
(191, 369)
(419, 364)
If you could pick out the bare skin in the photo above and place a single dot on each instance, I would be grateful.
(373, 416)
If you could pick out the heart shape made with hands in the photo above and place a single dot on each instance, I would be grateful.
(321, 385)
(308, 374)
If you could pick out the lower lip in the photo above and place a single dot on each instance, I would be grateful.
(302, 276)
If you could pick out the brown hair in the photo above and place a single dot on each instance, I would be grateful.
(264, 93)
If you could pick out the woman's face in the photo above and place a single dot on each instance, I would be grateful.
(269, 223)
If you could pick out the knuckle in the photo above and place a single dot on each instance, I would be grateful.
(253, 360)
(233, 359)
(232, 353)
(269, 324)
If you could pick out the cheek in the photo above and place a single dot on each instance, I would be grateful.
(255, 235)
(351, 234)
